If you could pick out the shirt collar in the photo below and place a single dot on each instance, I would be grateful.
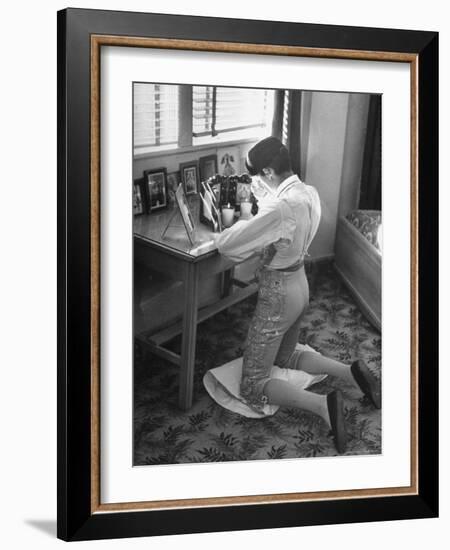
(287, 183)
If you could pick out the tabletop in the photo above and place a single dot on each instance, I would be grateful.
(149, 228)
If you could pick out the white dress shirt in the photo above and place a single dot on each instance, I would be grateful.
(288, 220)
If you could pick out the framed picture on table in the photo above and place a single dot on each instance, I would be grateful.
(138, 198)
(156, 188)
(208, 167)
(189, 177)
(173, 181)
(185, 212)
(100, 492)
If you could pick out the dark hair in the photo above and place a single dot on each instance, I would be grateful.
(281, 163)
(268, 153)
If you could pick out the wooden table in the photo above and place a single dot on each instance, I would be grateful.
(175, 255)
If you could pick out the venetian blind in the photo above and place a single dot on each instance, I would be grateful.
(155, 114)
(217, 110)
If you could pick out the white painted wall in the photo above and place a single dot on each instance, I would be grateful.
(334, 148)
(358, 110)
(172, 159)
(325, 161)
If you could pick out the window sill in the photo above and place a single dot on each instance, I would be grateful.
(181, 150)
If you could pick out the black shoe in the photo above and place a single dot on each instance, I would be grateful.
(367, 382)
(336, 411)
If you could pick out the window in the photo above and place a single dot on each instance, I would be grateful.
(155, 115)
(169, 117)
(217, 110)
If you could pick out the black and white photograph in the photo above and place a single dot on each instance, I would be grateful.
(207, 167)
(275, 381)
(173, 181)
(138, 202)
(189, 177)
(228, 161)
(156, 186)
(261, 340)
(258, 348)
(185, 212)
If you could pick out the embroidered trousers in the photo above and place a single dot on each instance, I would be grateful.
(274, 331)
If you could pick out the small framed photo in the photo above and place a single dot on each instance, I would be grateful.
(215, 188)
(185, 212)
(156, 188)
(189, 177)
(208, 167)
(243, 192)
(138, 198)
(228, 165)
(173, 181)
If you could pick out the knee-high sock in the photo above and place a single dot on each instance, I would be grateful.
(314, 363)
(280, 392)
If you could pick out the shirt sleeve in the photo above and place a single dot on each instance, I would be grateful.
(273, 222)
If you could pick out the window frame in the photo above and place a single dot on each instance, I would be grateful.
(186, 136)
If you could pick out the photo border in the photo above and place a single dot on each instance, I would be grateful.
(81, 34)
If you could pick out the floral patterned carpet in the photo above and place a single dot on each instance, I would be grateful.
(333, 325)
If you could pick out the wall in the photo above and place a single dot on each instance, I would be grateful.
(172, 160)
(334, 150)
(358, 110)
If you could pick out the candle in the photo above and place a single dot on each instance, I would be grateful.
(246, 209)
(227, 215)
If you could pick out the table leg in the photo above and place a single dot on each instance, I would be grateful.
(227, 281)
(189, 335)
